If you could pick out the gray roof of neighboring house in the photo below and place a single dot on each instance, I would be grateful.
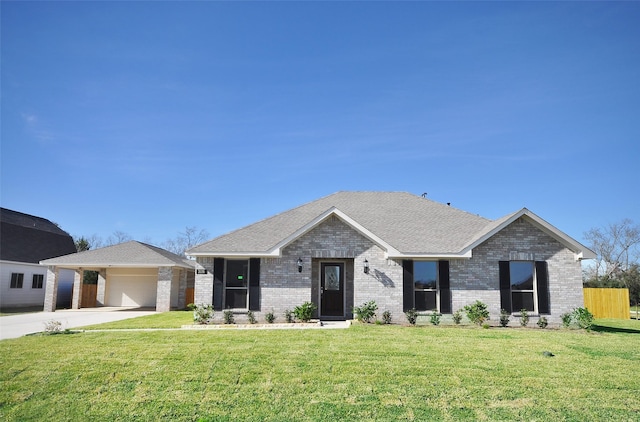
(409, 223)
(127, 254)
(27, 238)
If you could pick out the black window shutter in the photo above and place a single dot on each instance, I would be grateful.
(218, 283)
(505, 286)
(407, 285)
(542, 279)
(445, 288)
(254, 284)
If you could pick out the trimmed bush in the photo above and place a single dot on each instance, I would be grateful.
(477, 312)
(304, 312)
(366, 312)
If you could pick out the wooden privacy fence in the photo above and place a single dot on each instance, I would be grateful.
(89, 294)
(189, 295)
(608, 303)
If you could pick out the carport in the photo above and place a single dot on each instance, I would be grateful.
(130, 274)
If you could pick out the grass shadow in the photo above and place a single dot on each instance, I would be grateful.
(607, 329)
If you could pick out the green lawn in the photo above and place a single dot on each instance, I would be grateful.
(367, 372)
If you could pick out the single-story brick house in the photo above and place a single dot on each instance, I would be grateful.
(400, 250)
(130, 274)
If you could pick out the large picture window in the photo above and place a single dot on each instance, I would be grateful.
(16, 280)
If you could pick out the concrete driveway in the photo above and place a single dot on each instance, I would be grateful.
(13, 326)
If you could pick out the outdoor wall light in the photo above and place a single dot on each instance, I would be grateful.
(299, 265)
(366, 266)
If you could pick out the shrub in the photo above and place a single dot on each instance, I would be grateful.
(583, 318)
(304, 312)
(412, 316)
(457, 317)
(288, 316)
(251, 317)
(524, 317)
(53, 327)
(477, 312)
(542, 322)
(504, 317)
(366, 312)
(386, 317)
(270, 317)
(566, 319)
(203, 314)
(228, 317)
(435, 318)
(191, 307)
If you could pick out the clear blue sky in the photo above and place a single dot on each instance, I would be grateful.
(146, 117)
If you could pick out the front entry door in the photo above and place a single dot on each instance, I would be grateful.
(332, 289)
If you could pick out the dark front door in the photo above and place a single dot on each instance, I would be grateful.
(332, 289)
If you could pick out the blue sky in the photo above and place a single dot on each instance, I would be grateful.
(146, 117)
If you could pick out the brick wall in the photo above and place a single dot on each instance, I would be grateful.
(478, 278)
(283, 287)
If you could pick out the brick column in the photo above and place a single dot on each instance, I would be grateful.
(102, 287)
(163, 295)
(76, 301)
(203, 285)
(182, 289)
(51, 290)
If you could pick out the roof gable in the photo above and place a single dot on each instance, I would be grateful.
(581, 251)
(127, 254)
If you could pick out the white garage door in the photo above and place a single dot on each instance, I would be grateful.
(132, 289)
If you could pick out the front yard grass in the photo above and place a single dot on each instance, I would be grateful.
(367, 372)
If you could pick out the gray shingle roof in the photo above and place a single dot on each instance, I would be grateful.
(127, 254)
(27, 238)
(409, 223)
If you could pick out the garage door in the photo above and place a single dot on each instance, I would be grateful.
(132, 289)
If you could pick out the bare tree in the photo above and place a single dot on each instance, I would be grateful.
(190, 237)
(616, 247)
(118, 237)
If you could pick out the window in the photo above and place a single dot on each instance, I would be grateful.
(38, 281)
(236, 284)
(426, 286)
(16, 280)
(524, 285)
(425, 282)
(521, 275)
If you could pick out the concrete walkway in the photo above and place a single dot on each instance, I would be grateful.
(13, 326)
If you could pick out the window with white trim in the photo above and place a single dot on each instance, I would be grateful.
(522, 277)
(38, 281)
(236, 283)
(16, 280)
(425, 282)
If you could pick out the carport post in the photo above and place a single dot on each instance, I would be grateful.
(51, 290)
(102, 286)
(76, 301)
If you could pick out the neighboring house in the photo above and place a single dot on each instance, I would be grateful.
(25, 240)
(130, 274)
(400, 250)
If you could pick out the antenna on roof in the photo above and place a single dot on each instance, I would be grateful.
(424, 195)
